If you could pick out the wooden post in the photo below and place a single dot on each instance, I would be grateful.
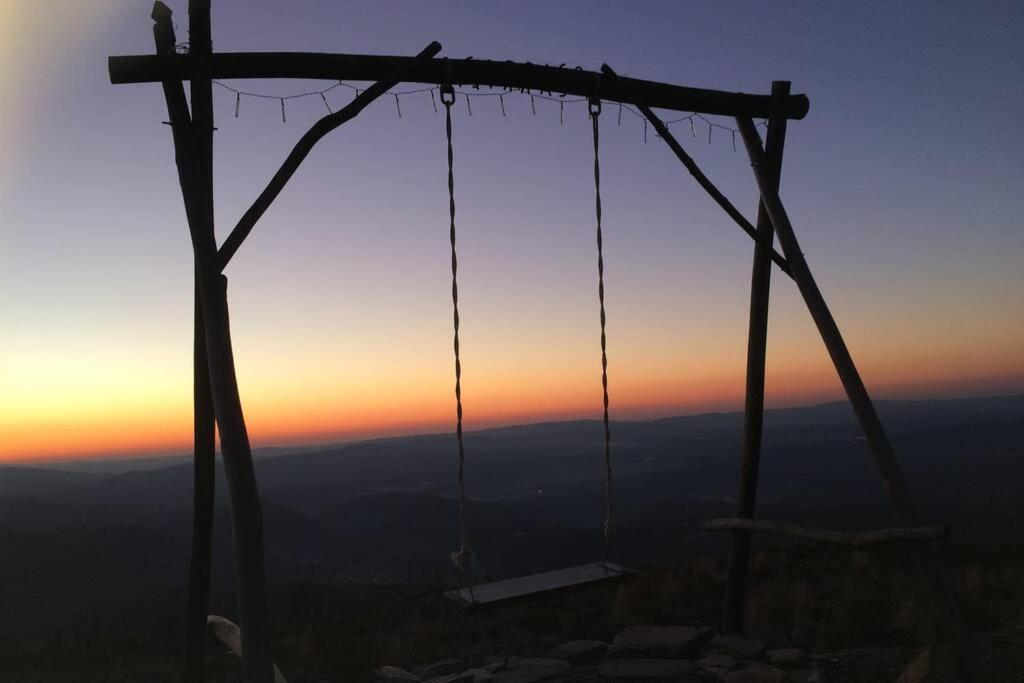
(204, 442)
(203, 421)
(246, 514)
(757, 339)
(892, 475)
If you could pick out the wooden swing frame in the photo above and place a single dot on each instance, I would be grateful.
(216, 397)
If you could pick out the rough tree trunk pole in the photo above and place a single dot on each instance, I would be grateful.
(753, 415)
(246, 514)
(204, 465)
(203, 421)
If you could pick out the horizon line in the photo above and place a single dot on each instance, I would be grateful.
(332, 444)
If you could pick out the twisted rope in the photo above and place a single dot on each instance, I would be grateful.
(609, 522)
(463, 557)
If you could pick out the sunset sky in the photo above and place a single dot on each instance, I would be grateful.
(905, 184)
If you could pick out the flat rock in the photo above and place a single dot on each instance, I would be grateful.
(495, 661)
(717, 664)
(532, 670)
(577, 651)
(931, 665)
(672, 642)
(468, 676)
(756, 673)
(784, 655)
(393, 674)
(806, 674)
(739, 645)
(638, 670)
(441, 668)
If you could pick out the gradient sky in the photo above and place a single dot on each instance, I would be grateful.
(904, 184)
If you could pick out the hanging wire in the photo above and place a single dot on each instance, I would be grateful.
(562, 100)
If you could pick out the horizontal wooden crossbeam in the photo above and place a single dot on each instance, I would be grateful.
(514, 75)
(854, 538)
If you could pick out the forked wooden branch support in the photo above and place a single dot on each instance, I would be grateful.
(228, 633)
(695, 171)
(305, 145)
(854, 538)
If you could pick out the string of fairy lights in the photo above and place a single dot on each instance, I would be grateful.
(469, 95)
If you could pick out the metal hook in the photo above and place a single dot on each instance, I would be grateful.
(447, 95)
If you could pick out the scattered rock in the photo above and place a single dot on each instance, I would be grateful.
(577, 651)
(810, 674)
(756, 673)
(441, 668)
(740, 645)
(532, 670)
(499, 662)
(638, 670)
(670, 642)
(717, 664)
(931, 665)
(458, 677)
(784, 655)
(393, 674)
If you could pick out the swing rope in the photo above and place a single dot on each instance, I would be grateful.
(463, 557)
(609, 522)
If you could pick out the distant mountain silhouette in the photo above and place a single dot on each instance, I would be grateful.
(370, 514)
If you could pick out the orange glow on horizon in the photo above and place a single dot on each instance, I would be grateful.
(329, 417)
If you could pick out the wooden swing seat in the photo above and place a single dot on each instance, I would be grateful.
(537, 584)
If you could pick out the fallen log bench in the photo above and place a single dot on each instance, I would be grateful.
(932, 532)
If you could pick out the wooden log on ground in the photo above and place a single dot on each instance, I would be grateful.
(498, 74)
(933, 532)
